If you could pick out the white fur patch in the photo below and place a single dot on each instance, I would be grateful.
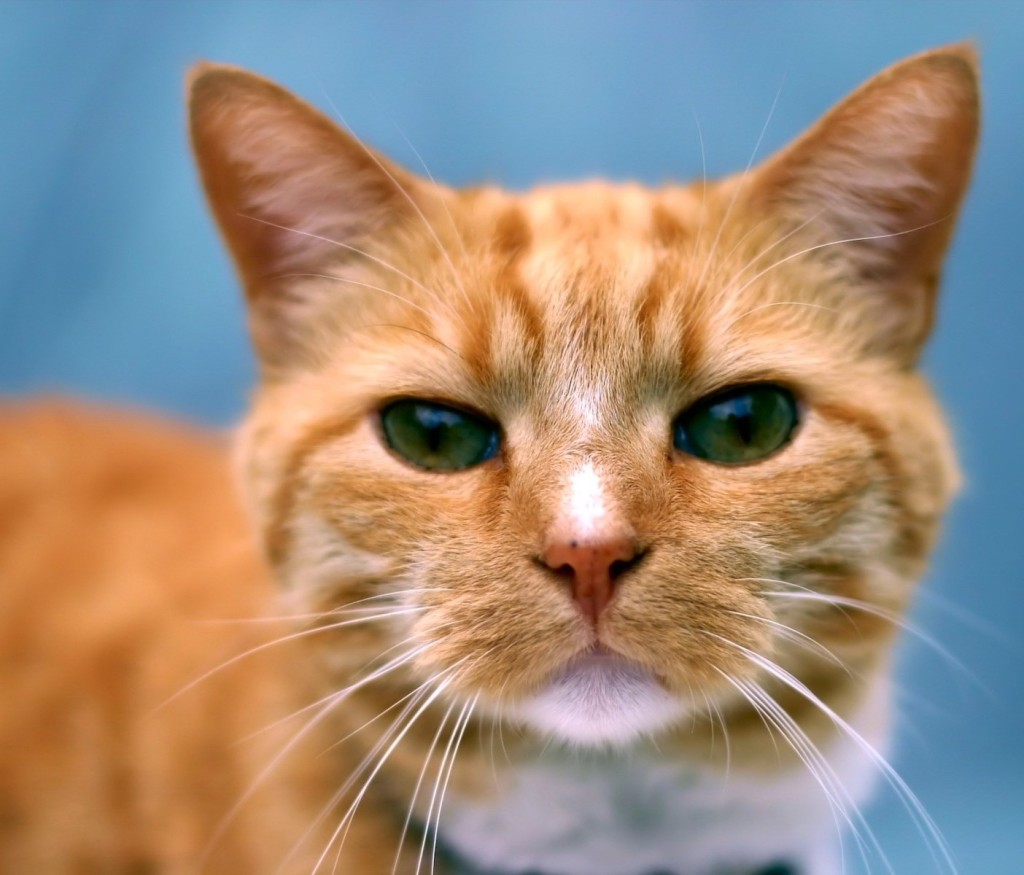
(579, 812)
(585, 502)
(601, 699)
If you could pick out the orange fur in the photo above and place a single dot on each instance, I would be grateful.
(583, 319)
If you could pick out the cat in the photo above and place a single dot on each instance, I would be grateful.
(578, 524)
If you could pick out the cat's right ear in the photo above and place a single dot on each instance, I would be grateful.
(292, 193)
(874, 188)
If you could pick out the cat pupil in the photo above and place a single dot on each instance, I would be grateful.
(743, 425)
(434, 436)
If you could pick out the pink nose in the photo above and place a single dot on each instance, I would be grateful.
(592, 566)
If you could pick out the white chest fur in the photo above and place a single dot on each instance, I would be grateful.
(583, 813)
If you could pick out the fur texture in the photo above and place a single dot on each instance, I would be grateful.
(720, 705)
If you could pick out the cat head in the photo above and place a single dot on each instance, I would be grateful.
(597, 454)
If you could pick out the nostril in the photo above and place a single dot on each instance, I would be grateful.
(621, 566)
(566, 571)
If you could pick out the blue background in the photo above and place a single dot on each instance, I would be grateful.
(114, 285)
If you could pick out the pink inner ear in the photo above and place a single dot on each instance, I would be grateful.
(874, 189)
(293, 194)
(895, 155)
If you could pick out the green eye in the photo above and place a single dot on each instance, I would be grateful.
(739, 425)
(438, 437)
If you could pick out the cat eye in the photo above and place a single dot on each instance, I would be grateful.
(438, 437)
(742, 424)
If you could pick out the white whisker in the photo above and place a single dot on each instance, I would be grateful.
(968, 618)
(412, 698)
(319, 615)
(444, 203)
(841, 804)
(362, 285)
(405, 193)
(919, 815)
(434, 796)
(739, 187)
(753, 229)
(890, 617)
(350, 248)
(714, 712)
(398, 612)
(444, 787)
(419, 783)
(864, 239)
(703, 183)
(773, 245)
(442, 680)
(232, 813)
(390, 666)
(795, 636)
(423, 334)
(328, 703)
(346, 819)
(758, 309)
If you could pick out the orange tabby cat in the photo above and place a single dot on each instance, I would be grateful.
(590, 513)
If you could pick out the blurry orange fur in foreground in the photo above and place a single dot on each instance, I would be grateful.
(125, 553)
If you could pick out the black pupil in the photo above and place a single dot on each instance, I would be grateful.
(742, 420)
(434, 430)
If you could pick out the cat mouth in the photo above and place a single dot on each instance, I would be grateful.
(600, 698)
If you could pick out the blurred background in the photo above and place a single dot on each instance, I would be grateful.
(113, 284)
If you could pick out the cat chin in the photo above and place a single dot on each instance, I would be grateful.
(601, 700)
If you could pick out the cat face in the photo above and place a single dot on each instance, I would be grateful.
(604, 453)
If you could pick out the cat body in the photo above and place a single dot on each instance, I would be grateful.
(593, 510)
(124, 551)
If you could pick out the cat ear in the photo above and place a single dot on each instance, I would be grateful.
(291, 192)
(876, 185)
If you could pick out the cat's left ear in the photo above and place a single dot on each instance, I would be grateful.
(874, 187)
(294, 195)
